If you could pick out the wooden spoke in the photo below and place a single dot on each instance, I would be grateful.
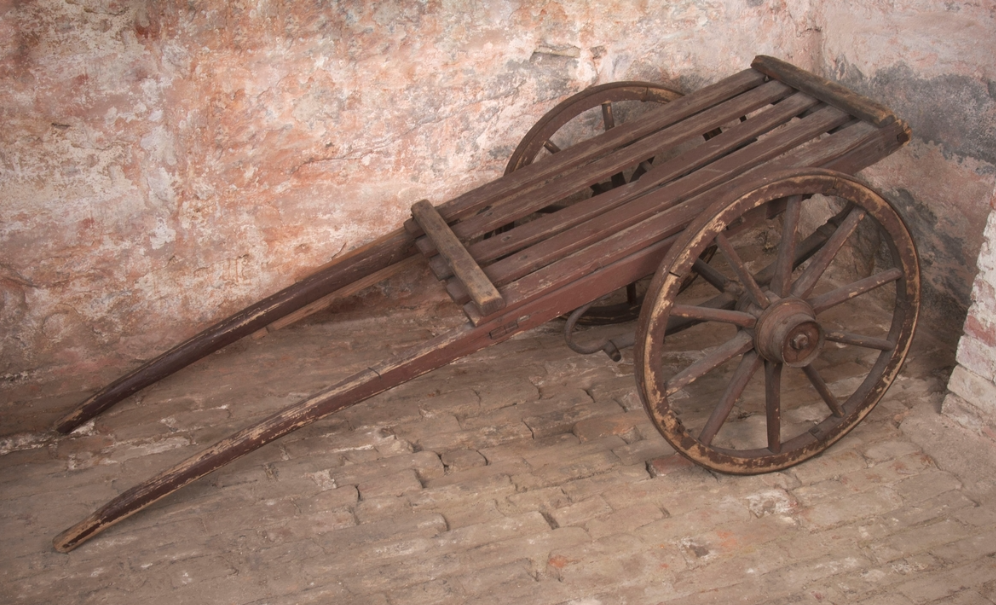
(608, 119)
(743, 274)
(773, 404)
(785, 262)
(551, 146)
(858, 340)
(631, 295)
(806, 248)
(711, 275)
(855, 289)
(737, 318)
(749, 365)
(720, 301)
(821, 388)
(822, 259)
(738, 345)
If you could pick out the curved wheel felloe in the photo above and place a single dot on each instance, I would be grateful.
(582, 116)
(799, 326)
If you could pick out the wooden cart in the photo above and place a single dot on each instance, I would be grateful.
(764, 254)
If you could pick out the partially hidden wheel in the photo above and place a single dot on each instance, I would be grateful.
(572, 120)
(799, 326)
(581, 117)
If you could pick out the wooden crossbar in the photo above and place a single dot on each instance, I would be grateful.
(465, 268)
(829, 92)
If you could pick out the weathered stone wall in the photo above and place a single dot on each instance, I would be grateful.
(931, 62)
(972, 396)
(163, 164)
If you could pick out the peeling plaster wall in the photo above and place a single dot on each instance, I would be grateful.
(164, 164)
(932, 63)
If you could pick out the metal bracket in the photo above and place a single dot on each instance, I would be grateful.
(611, 347)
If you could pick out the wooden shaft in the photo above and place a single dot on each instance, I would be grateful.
(354, 389)
(376, 379)
(372, 257)
(225, 451)
(357, 286)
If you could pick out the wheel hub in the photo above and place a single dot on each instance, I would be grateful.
(787, 332)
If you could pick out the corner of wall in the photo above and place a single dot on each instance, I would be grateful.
(971, 398)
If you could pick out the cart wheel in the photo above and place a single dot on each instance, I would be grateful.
(579, 118)
(818, 293)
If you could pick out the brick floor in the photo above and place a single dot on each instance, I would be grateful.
(522, 474)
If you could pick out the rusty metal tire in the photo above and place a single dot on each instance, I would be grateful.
(758, 400)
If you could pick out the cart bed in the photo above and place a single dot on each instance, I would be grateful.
(782, 118)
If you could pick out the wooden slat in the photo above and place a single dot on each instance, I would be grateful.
(551, 224)
(559, 242)
(511, 209)
(517, 265)
(516, 183)
(639, 264)
(580, 263)
(870, 150)
(829, 92)
(439, 267)
(840, 143)
(665, 224)
(551, 122)
(598, 171)
(592, 258)
(466, 269)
